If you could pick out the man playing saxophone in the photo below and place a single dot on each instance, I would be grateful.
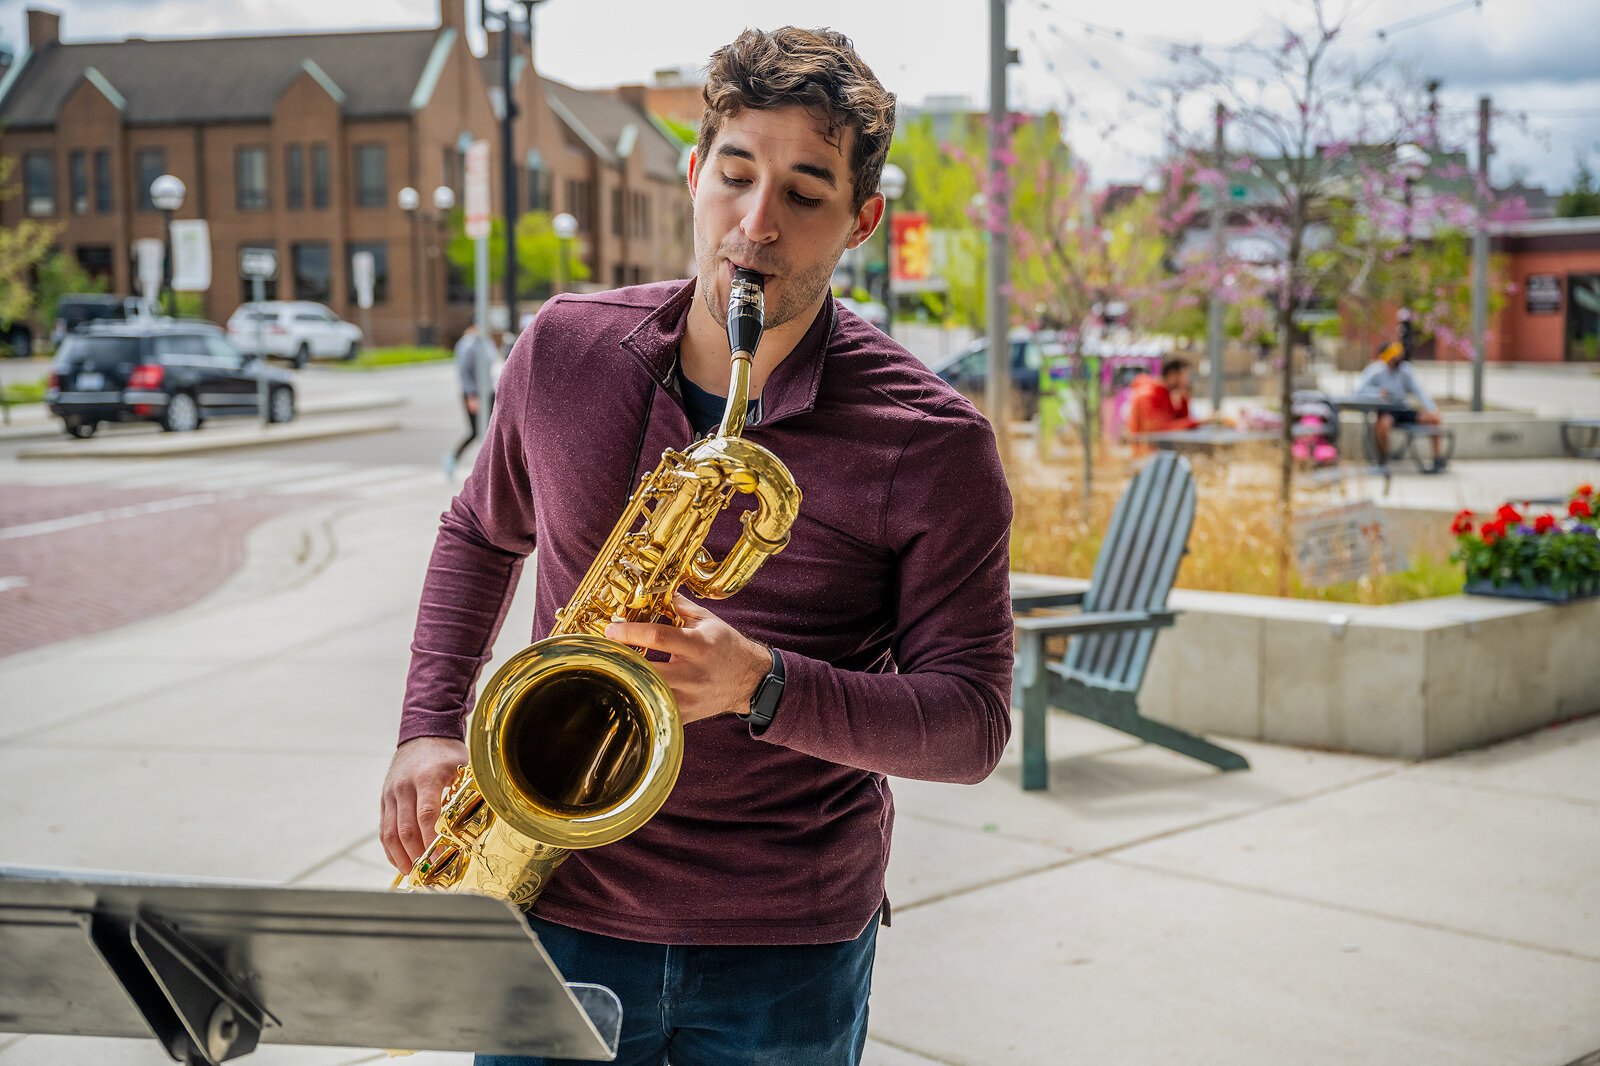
(739, 924)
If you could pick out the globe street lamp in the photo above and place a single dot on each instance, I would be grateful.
(166, 192)
(566, 228)
(892, 183)
(410, 201)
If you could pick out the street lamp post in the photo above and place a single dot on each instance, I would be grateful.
(892, 183)
(1411, 162)
(566, 228)
(410, 201)
(166, 192)
(509, 23)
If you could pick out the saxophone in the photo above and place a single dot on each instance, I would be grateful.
(575, 742)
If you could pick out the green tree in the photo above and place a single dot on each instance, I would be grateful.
(538, 253)
(60, 274)
(1583, 198)
(23, 248)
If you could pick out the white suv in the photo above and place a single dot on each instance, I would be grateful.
(295, 330)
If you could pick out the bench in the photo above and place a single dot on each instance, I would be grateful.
(1586, 430)
(1112, 636)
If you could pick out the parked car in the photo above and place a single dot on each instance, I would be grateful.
(296, 330)
(174, 373)
(968, 370)
(76, 309)
(871, 310)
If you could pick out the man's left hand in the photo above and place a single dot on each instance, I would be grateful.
(714, 668)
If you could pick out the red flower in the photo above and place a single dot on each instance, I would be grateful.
(1585, 490)
(1462, 524)
(1493, 531)
(1507, 515)
(1580, 509)
(1544, 523)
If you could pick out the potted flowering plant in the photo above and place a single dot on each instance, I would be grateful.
(1543, 557)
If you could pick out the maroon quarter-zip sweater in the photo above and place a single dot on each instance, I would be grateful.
(889, 606)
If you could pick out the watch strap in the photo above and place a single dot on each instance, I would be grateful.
(764, 701)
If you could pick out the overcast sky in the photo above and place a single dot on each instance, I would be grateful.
(1541, 57)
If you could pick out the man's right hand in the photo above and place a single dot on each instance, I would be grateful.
(420, 772)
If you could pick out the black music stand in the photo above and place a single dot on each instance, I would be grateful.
(213, 968)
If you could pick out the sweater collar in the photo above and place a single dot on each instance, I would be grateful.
(790, 390)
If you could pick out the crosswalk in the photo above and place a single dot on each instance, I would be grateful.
(254, 477)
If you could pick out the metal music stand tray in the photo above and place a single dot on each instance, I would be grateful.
(211, 969)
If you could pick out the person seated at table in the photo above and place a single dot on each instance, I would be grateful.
(1389, 377)
(1159, 404)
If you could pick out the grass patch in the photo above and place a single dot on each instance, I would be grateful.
(1234, 546)
(404, 355)
(24, 392)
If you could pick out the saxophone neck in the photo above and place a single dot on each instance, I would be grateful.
(733, 415)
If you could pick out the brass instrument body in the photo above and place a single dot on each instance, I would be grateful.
(575, 741)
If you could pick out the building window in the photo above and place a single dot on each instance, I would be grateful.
(247, 286)
(250, 178)
(39, 183)
(580, 204)
(313, 271)
(538, 190)
(78, 179)
(372, 161)
(294, 177)
(380, 270)
(102, 181)
(148, 165)
(619, 276)
(95, 260)
(616, 212)
(453, 165)
(321, 179)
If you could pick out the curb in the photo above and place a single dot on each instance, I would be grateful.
(252, 436)
(37, 423)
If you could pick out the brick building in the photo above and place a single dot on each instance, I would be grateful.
(301, 142)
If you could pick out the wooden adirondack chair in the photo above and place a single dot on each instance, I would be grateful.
(1112, 636)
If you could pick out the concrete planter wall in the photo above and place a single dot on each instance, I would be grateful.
(1485, 435)
(1413, 680)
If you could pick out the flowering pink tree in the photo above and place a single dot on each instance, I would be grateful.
(1327, 140)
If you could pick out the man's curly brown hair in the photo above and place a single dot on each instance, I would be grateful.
(815, 69)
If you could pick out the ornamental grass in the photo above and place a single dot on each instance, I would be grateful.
(1237, 540)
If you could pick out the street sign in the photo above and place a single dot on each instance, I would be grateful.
(1344, 543)
(1543, 294)
(477, 199)
(258, 263)
(191, 255)
(150, 254)
(363, 269)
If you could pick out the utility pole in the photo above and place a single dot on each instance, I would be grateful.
(1480, 259)
(508, 162)
(997, 393)
(1214, 304)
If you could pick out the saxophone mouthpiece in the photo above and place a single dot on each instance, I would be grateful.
(745, 311)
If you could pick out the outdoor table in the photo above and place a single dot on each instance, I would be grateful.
(1211, 438)
(1370, 407)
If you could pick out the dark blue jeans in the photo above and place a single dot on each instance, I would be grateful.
(709, 1006)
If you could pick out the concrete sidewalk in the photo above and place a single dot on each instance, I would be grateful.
(1318, 908)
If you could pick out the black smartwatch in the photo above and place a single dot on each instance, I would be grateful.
(764, 702)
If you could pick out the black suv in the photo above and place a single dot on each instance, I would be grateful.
(177, 374)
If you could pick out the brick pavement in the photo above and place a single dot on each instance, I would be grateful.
(118, 556)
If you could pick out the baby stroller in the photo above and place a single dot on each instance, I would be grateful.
(1316, 428)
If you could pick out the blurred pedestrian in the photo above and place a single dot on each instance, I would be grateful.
(1389, 377)
(472, 367)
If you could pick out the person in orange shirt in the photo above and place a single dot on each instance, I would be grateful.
(1161, 403)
